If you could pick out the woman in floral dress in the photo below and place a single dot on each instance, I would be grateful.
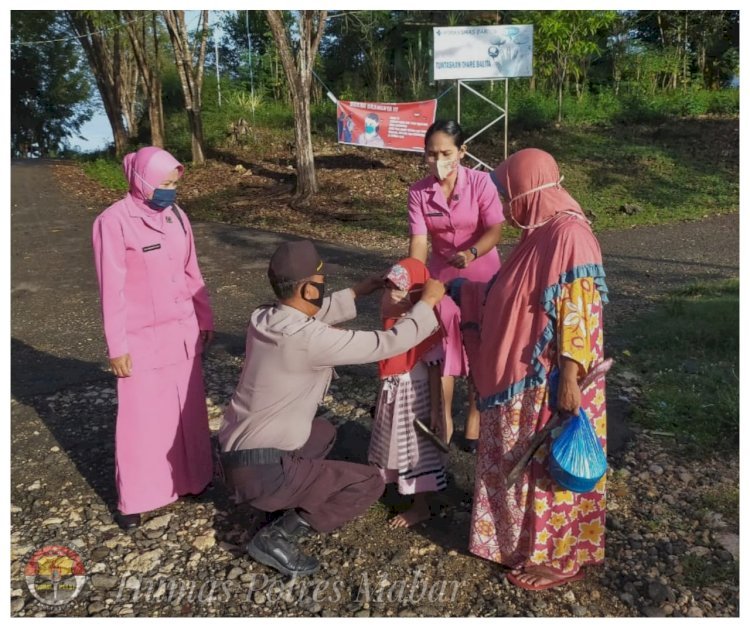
(541, 312)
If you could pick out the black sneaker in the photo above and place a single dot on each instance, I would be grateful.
(292, 526)
(127, 522)
(270, 547)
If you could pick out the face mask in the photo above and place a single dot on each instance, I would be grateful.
(369, 129)
(531, 191)
(162, 198)
(536, 189)
(443, 167)
(317, 301)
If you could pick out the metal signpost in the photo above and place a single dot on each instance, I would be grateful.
(480, 54)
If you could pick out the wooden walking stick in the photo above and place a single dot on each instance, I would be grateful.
(595, 373)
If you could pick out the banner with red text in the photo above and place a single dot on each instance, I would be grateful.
(395, 126)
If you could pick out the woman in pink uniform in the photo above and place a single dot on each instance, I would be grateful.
(157, 321)
(458, 208)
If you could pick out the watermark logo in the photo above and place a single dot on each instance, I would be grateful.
(55, 575)
(271, 591)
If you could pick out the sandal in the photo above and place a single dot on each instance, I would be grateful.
(554, 580)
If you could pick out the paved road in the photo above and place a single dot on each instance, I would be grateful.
(56, 329)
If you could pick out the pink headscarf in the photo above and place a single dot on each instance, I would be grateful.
(516, 321)
(145, 169)
(530, 184)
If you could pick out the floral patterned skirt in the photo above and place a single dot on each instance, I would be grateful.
(535, 522)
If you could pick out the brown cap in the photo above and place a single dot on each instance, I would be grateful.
(293, 261)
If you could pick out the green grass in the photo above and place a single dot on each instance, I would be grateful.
(724, 501)
(687, 355)
(669, 171)
(107, 172)
(700, 572)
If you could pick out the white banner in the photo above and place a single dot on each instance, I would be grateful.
(483, 52)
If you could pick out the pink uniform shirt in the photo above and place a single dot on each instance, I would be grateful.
(154, 300)
(458, 224)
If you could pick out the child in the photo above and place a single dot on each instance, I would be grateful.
(403, 454)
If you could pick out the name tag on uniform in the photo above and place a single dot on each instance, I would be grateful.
(437, 214)
(151, 247)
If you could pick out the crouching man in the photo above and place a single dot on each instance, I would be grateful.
(273, 449)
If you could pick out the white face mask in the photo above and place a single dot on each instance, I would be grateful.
(536, 189)
(444, 167)
(531, 191)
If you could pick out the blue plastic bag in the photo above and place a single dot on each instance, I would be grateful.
(577, 461)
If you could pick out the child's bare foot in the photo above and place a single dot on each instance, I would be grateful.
(420, 511)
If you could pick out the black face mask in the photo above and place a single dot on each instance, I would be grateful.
(318, 301)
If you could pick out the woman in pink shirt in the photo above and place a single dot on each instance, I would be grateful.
(458, 210)
(157, 321)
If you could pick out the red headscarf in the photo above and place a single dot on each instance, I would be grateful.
(516, 319)
(410, 276)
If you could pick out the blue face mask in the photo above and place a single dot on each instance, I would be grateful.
(162, 198)
(370, 128)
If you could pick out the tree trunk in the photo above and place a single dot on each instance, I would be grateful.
(661, 30)
(563, 76)
(307, 182)
(196, 131)
(105, 65)
(156, 117)
(158, 104)
(150, 71)
(310, 26)
(685, 55)
(191, 78)
(676, 67)
(130, 80)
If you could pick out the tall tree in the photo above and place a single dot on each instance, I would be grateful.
(100, 34)
(49, 83)
(144, 38)
(241, 29)
(191, 76)
(564, 40)
(309, 27)
(619, 45)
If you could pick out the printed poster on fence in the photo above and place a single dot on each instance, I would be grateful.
(483, 52)
(395, 126)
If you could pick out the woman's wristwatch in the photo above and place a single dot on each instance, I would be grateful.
(473, 251)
